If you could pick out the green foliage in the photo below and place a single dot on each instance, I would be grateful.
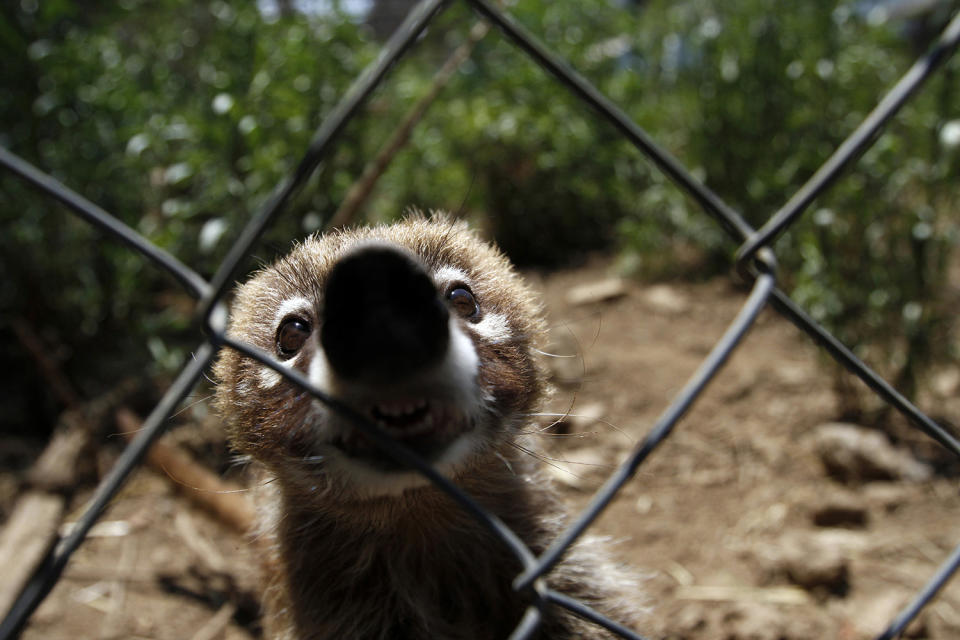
(772, 90)
(506, 140)
(181, 117)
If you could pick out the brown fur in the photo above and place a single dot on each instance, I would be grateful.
(414, 565)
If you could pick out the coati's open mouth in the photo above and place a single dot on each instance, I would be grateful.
(426, 427)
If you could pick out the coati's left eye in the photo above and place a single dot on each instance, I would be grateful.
(463, 302)
(291, 336)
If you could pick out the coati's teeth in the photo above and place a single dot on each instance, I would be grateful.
(426, 428)
(409, 430)
(398, 408)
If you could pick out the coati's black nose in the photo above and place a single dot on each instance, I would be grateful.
(382, 316)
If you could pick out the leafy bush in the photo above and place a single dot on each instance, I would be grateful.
(181, 117)
(773, 91)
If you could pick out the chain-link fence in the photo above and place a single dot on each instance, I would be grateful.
(755, 261)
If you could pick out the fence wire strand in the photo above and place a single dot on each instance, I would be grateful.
(47, 574)
(753, 258)
(348, 107)
(99, 218)
(661, 428)
(858, 141)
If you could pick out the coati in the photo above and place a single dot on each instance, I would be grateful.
(429, 332)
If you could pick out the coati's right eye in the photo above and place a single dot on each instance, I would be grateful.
(463, 302)
(291, 336)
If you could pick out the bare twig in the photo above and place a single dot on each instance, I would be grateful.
(56, 468)
(197, 483)
(28, 534)
(361, 189)
(217, 623)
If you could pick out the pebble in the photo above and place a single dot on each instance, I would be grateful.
(666, 299)
(597, 291)
(854, 454)
(808, 561)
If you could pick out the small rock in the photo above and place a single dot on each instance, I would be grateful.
(644, 504)
(598, 291)
(809, 563)
(753, 621)
(851, 453)
(848, 542)
(666, 299)
(820, 572)
(792, 374)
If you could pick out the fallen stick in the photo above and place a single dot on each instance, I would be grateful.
(217, 623)
(203, 487)
(25, 538)
(56, 469)
(361, 189)
(770, 595)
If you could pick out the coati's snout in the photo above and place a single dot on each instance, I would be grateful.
(383, 318)
(392, 351)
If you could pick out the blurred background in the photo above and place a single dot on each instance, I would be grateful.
(180, 117)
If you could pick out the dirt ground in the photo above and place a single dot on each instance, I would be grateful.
(737, 527)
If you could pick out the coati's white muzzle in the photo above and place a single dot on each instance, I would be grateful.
(391, 346)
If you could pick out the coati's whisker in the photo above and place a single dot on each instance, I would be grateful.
(192, 404)
(463, 202)
(575, 320)
(596, 334)
(557, 355)
(545, 460)
(505, 462)
(580, 353)
(541, 434)
(564, 416)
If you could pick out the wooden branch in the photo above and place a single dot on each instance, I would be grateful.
(56, 468)
(204, 488)
(32, 527)
(25, 538)
(361, 189)
(215, 625)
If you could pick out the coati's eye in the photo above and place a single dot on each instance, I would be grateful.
(463, 302)
(291, 336)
